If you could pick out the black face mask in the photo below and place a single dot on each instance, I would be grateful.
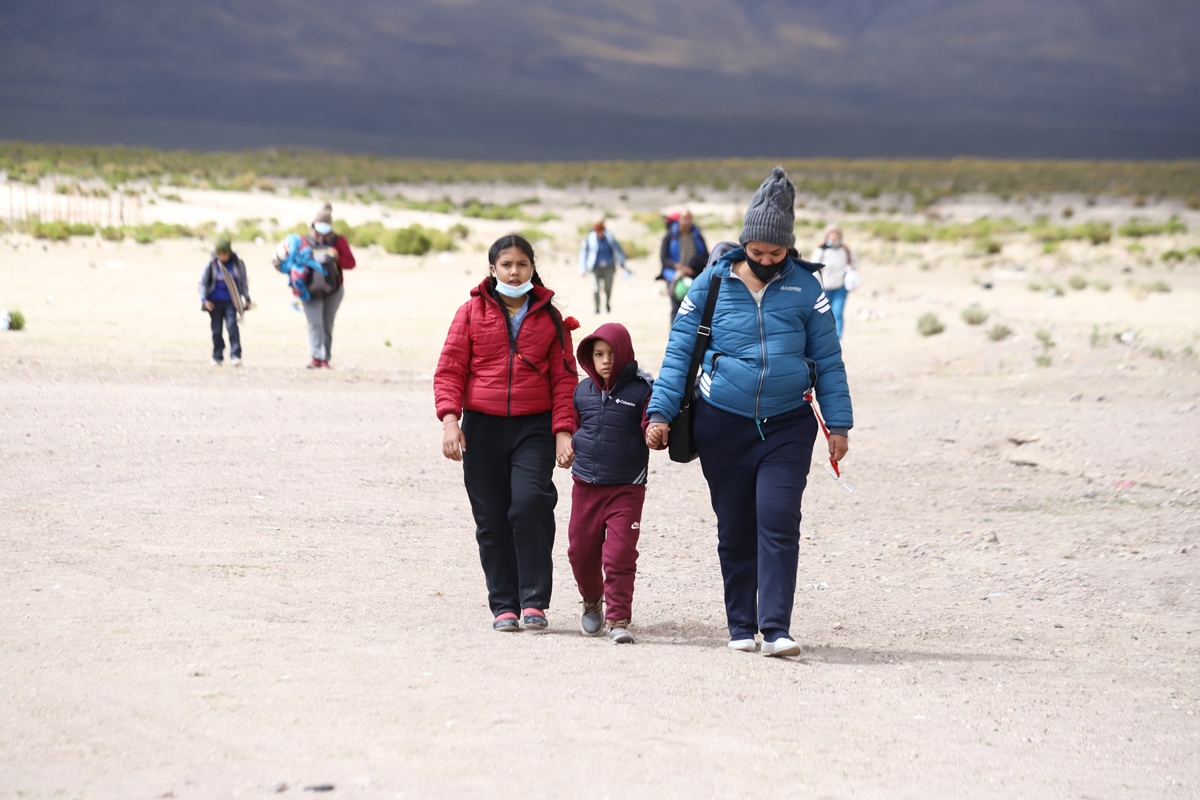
(765, 272)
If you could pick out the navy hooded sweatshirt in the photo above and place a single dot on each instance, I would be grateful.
(610, 444)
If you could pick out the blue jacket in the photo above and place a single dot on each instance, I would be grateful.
(760, 360)
(591, 247)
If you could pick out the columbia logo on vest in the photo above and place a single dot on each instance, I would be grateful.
(790, 289)
(624, 402)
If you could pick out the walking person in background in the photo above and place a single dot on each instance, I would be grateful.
(772, 342)
(600, 255)
(839, 275)
(683, 254)
(504, 389)
(223, 302)
(315, 264)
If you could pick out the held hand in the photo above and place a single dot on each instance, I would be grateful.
(656, 435)
(564, 449)
(247, 305)
(838, 446)
(208, 305)
(454, 443)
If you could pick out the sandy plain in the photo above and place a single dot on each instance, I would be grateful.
(222, 582)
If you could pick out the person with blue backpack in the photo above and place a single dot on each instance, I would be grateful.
(769, 343)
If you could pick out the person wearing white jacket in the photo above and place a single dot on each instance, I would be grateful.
(599, 256)
(838, 275)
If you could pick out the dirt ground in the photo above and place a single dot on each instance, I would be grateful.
(222, 582)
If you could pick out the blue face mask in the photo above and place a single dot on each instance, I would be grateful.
(508, 290)
(323, 228)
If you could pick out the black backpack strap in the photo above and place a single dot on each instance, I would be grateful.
(703, 337)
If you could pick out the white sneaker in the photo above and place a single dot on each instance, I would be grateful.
(237, 362)
(781, 647)
(743, 645)
(215, 363)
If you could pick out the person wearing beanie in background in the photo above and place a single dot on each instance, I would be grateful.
(837, 271)
(611, 461)
(223, 302)
(772, 342)
(599, 256)
(315, 264)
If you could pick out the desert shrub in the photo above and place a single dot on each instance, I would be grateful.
(1096, 338)
(1043, 360)
(1094, 232)
(1174, 255)
(1137, 228)
(534, 234)
(990, 246)
(16, 320)
(999, 333)
(174, 198)
(1050, 248)
(1159, 286)
(458, 231)
(1158, 352)
(476, 209)
(83, 229)
(247, 230)
(1034, 286)
(635, 249)
(112, 233)
(416, 240)
(1054, 290)
(1068, 212)
(928, 324)
(974, 315)
(1077, 282)
(54, 231)
(145, 234)
(367, 234)
(1101, 285)
(1047, 341)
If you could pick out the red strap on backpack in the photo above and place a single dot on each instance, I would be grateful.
(833, 464)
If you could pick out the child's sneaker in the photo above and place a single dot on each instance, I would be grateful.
(236, 361)
(591, 623)
(535, 619)
(506, 623)
(743, 645)
(618, 631)
(215, 363)
(314, 364)
(783, 646)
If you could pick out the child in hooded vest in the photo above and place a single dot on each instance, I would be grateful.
(611, 460)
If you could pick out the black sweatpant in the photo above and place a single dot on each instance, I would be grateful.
(508, 468)
(756, 479)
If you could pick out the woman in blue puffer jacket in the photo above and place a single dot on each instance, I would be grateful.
(773, 341)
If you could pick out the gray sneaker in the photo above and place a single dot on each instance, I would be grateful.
(591, 623)
(618, 631)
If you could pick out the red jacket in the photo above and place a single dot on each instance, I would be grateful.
(482, 370)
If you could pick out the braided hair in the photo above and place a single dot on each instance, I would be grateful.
(518, 241)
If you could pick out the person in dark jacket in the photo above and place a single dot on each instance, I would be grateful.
(683, 254)
(217, 299)
(611, 461)
(508, 372)
(773, 342)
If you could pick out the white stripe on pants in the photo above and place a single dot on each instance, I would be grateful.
(320, 313)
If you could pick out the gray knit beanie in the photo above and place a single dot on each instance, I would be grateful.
(771, 215)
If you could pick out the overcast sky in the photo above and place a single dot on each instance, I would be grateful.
(538, 79)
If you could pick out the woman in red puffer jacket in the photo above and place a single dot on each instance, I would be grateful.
(505, 385)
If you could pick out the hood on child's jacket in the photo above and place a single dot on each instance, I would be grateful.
(617, 337)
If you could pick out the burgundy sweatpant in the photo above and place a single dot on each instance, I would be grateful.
(605, 523)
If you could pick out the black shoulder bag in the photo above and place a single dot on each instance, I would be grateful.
(681, 441)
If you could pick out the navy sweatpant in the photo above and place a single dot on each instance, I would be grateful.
(756, 480)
